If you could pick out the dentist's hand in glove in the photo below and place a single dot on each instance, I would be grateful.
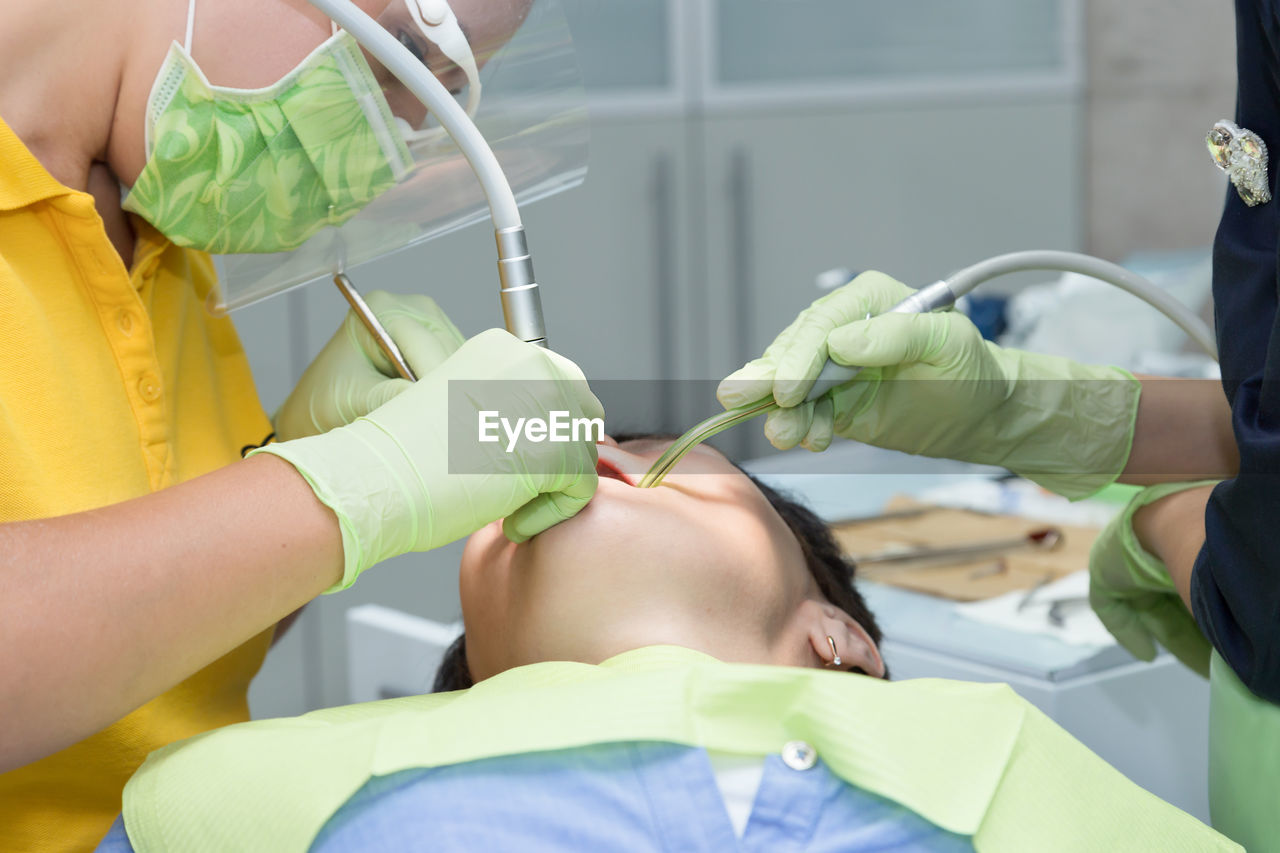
(351, 377)
(1131, 591)
(932, 386)
(388, 478)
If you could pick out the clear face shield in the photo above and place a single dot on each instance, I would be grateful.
(508, 63)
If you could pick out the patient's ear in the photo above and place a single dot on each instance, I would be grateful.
(853, 643)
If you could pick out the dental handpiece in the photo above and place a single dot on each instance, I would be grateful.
(936, 297)
(521, 304)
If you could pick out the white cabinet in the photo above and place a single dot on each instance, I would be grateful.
(915, 191)
(628, 48)
(854, 47)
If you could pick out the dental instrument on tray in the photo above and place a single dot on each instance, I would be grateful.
(1043, 539)
(1031, 593)
(1061, 608)
(941, 296)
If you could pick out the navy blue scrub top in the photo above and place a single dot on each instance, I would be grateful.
(1235, 587)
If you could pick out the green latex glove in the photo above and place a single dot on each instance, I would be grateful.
(1133, 595)
(351, 377)
(387, 475)
(932, 386)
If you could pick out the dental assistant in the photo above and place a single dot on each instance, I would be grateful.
(143, 562)
(1192, 565)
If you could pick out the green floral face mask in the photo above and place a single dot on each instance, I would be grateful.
(262, 170)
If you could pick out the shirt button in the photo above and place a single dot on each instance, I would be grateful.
(798, 755)
(149, 387)
(125, 322)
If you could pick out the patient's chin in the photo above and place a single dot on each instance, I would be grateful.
(484, 538)
(485, 546)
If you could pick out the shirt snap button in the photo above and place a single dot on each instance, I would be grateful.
(798, 755)
(149, 387)
(125, 322)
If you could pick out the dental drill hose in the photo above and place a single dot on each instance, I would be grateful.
(938, 296)
(964, 281)
(521, 303)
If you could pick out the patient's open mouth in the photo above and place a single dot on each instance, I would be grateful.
(605, 468)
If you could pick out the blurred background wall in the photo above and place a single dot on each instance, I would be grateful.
(1158, 73)
(740, 147)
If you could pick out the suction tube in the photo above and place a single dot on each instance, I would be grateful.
(942, 294)
(970, 277)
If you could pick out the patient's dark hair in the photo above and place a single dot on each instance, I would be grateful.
(832, 571)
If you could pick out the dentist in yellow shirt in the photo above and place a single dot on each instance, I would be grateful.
(143, 562)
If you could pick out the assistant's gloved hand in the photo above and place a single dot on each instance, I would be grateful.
(390, 476)
(932, 386)
(351, 377)
(1133, 595)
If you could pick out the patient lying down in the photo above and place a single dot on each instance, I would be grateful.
(710, 560)
(686, 667)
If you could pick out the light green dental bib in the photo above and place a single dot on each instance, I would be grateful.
(974, 759)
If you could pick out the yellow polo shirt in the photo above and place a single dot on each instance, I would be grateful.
(114, 383)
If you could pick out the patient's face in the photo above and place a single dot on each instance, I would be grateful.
(702, 560)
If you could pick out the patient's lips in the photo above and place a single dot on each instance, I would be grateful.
(608, 469)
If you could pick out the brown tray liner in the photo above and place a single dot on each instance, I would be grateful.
(942, 527)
